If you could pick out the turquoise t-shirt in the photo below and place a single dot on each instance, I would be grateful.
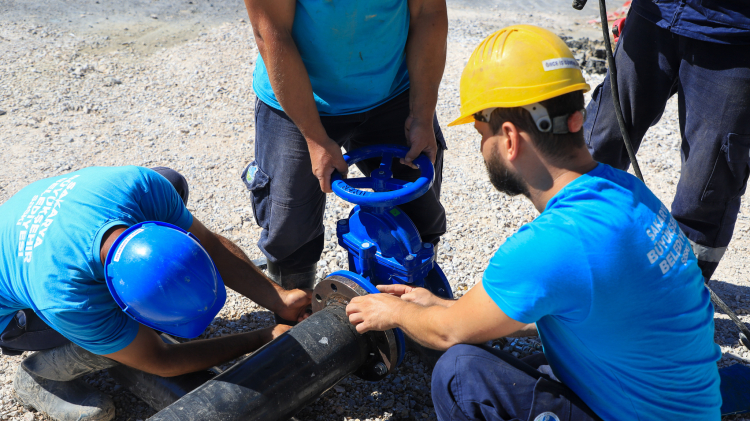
(618, 299)
(354, 52)
(50, 237)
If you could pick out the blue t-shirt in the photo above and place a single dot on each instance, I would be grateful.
(719, 21)
(618, 299)
(50, 237)
(354, 52)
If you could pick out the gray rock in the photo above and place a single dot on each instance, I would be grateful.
(111, 81)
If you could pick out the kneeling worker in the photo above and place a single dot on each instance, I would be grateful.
(604, 271)
(80, 248)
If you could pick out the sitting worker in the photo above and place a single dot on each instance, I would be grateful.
(699, 49)
(71, 262)
(338, 73)
(604, 271)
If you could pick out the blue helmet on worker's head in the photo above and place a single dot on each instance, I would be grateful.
(162, 277)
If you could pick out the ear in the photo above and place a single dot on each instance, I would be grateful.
(512, 138)
(575, 122)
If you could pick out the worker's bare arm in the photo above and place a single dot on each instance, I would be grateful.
(272, 26)
(524, 332)
(425, 58)
(473, 319)
(240, 274)
(420, 296)
(149, 353)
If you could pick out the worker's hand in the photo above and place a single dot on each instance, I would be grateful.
(373, 312)
(326, 156)
(296, 304)
(414, 295)
(420, 136)
(277, 330)
(270, 333)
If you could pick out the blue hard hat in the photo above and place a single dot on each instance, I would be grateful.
(162, 277)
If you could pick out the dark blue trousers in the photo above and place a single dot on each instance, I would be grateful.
(28, 332)
(712, 82)
(481, 383)
(286, 197)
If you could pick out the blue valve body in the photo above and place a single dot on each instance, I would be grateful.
(383, 244)
(385, 247)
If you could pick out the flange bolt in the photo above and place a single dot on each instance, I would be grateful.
(380, 369)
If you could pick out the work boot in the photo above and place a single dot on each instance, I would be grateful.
(287, 278)
(65, 363)
(73, 400)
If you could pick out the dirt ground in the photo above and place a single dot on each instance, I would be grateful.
(168, 82)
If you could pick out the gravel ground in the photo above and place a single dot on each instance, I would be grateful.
(169, 83)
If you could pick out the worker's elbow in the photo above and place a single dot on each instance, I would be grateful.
(446, 341)
(272, 41)
(163, 370)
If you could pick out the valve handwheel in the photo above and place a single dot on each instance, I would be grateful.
(387, 191)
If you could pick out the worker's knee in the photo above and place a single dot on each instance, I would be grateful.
(448, 365)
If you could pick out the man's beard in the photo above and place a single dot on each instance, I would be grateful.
(502, 178)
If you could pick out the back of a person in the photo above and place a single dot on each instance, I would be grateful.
(51, 230)
(354, 52)
(645, 350)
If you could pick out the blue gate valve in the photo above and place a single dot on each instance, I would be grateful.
(383, 244)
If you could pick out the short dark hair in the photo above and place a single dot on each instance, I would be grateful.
(554, 146)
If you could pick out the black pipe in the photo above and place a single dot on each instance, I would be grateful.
(281, 378)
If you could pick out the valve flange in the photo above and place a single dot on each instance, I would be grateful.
(386, 348)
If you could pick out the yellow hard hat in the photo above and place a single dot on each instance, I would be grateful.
(516, 66)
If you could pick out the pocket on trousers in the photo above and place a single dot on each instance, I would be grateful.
(731, 169)
(548, 403)
(258, 183)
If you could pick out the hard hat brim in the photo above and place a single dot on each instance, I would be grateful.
(468, 115)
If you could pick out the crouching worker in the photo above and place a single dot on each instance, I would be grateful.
(95, 262)
(604, 271)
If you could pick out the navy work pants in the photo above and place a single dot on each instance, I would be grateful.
(28, 332)
(481, 383)
(712, 82)
(287, 200)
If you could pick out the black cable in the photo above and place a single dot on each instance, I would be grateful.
(724, 308)
(616, 91)
(744, 331)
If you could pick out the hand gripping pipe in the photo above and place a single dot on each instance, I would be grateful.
(281, 378)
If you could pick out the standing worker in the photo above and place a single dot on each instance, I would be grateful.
(699, 49)
(339, 73)
(97, 261)
(603, 273)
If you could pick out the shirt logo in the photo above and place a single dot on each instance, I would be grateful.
(40, 215)
(547, 416)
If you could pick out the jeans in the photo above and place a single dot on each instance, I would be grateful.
(286, 197)
(712, 82)
(481, 383)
